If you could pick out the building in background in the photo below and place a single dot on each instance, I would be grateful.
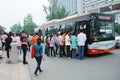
(108, 6)
(88, 6)
(70, 5)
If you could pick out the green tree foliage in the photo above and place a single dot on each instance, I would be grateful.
(29, 25)
(117, 28)
(17, 28)
(54, 11)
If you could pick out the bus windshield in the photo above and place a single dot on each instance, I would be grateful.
(103, 30)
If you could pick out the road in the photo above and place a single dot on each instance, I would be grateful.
(102, 67)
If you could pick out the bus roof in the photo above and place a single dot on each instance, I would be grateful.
(55, 21)
(51, 22)
(2, 28)
(75, 17)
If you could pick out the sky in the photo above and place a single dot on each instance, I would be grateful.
(14, 11)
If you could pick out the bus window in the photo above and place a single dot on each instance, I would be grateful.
(51, 30)
(63, 28)
(56, 28)
(68, 27)
(46, 31)
(104, 29)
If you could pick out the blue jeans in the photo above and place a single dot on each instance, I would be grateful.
(39, 60)
(52, 50)
(81, 52)
(73, 53)
(68, 51)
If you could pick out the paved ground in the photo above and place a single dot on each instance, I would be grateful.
(102, 67)
(15, 71)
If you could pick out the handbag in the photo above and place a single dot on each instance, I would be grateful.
(33, 52)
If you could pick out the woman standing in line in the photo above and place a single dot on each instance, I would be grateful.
(8, 41)
(38, 55)
(52, 43)
(24, 45)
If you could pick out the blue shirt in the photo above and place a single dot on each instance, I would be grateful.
(74, 42)
(38, 50)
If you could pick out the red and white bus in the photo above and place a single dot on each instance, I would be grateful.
(99, 28)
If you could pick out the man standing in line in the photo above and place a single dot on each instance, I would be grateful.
(8, 41)
(81, 38)
(73, 45)
(60, 39)
(64, 48)
(68, 44)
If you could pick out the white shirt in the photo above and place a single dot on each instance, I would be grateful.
(4, 36)
(45, 40)
(60, 39)
(67, 40)
(81, 38)
(16, 40)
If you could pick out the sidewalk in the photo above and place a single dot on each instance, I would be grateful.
(15, 71)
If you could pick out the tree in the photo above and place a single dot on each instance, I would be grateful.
(54, 11)
(29, 25)
(117, 28)
(17, 28)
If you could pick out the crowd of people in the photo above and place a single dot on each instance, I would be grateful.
(24, 42)
(21, 39)
(65, 45)
(56, 45)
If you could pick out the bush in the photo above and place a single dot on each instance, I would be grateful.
(117, 28)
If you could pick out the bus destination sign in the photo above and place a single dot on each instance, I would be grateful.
(104, 17)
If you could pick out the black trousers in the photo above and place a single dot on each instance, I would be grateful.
(47, 50)
(7, 50)
(24, 53)
(68, 51)
(62, 50)
(56, 48)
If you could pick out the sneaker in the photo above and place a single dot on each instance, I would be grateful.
(1, 57)
(41, 70)
(55, 57)
(25, 62)
(69, 57)
(35, 75)
(8, 62)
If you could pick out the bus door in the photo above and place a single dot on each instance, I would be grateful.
(81, 25)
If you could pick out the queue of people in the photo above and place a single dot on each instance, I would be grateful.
(62, 45)
(65, 45)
